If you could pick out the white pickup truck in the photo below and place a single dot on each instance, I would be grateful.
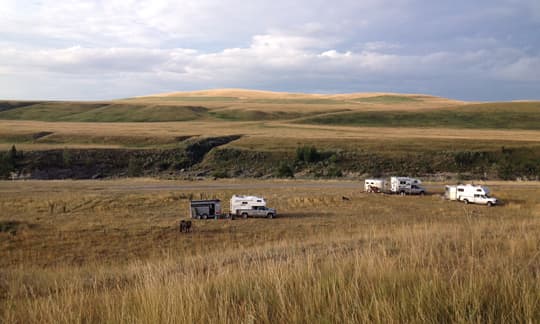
(470, 194)
(480, 199)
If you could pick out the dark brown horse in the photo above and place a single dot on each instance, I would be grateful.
(185, 226)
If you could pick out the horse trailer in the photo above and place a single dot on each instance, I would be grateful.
(375, 185)
(204, 209)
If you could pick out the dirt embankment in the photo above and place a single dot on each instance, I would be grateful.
(211, 157)
(101, 163)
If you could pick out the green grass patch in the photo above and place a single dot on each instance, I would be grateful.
(8, 105)
(103, 112)
(387, 99)
(253, 115)
(141, 113)
(195, 99)
(321, 101)
(49, 111)
(497, 116)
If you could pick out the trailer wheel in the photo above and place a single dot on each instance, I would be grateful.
(402, 193)
(422, 193)
(204, 216)
(270, 215)
(489, 204)
(466, 201)
(198, 216)
(244, 215)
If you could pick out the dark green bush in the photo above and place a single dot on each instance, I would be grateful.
(285, 170)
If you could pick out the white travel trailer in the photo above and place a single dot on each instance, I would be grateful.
(375, 185)
(246, 202)
(406, 185)
(470, 194)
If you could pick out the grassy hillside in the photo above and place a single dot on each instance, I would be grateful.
(224, 104)
(388, 99)
(516, 115)
(102, 112)
(384, 110)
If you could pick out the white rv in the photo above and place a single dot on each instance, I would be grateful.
(406, 185)
(250, 206)
(375, 185)
(470, 194)
(246, 202)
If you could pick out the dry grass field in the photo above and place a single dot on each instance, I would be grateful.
(110, 251)
(254, 100)
(114, 135)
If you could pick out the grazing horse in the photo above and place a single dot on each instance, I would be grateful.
(185, 226)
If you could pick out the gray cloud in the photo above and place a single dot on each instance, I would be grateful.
(110, 49)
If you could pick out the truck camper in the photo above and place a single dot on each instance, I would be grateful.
(470, 193)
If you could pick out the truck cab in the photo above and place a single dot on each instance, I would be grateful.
(417, 190)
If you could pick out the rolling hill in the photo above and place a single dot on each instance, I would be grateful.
(355, 109)
(229, 104)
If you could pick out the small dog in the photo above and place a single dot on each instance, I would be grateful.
(185, 226)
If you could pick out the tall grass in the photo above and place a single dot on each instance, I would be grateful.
(371, 259)
(423, 275)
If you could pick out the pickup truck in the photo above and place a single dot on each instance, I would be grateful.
(259, 211)
(480, 199)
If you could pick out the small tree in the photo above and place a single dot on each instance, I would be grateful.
(285, 170)
(13, 153)
(307, 154)
(135, 168)
(334, 172)
(8, 162)
(66, 158)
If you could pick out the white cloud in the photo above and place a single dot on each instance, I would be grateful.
(173, 45)
(380, 45)
(524, 69)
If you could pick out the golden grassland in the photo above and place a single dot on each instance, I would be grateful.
(263, 134)
(242, 99)
(110, 251)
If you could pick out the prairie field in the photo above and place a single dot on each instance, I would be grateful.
(36, 135)
(110, 251)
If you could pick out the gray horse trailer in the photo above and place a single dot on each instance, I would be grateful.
(204, 209)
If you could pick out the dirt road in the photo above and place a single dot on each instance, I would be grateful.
(243, 186)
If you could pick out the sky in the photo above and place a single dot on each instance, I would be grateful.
(93, 50)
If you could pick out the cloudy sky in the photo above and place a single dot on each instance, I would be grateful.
(472, 50)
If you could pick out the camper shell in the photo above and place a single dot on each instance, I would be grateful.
(250, 206)
(470, 193)
(406, 186)
(245, 202)
(204, 209)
